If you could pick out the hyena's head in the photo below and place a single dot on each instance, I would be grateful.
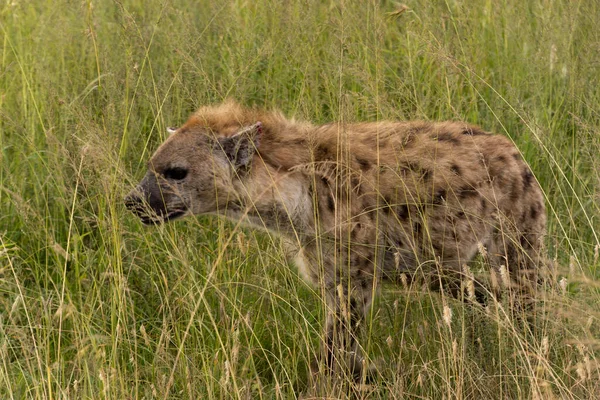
(193, 171)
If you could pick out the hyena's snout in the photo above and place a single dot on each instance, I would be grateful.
(153, 204)
(138, 203)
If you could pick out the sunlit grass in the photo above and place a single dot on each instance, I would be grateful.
(95, 305)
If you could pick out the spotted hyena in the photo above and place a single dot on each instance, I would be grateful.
(360, 203)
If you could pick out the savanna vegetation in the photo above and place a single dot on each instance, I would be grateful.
(95, 305)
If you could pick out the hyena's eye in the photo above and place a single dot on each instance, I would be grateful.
(175, 173)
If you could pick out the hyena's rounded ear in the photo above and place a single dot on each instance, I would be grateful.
(171, 130)
(241, 147)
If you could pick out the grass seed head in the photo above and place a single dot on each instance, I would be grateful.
(447, 315)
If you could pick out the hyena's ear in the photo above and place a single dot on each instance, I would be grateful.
(241, 147)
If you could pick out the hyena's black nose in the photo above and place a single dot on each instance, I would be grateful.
(133, 202)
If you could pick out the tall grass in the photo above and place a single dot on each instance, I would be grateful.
(95, 305)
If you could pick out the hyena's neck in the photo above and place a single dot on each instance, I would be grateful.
(276, 201)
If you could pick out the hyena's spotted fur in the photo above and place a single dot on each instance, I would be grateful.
(360, 203)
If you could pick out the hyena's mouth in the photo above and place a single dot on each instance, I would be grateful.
(174, 215)
(148, 216)
(157, 219)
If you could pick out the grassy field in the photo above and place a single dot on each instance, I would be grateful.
(95, 305)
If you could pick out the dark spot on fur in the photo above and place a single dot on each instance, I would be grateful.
(322, 153)
(534, 211)
(527, 179)
(412, 166)
(330, 203)
(525, 244)
(460, 214)
(515, 193)
(369, 255)
(517, 156)
(467, 192)
(455, 169)
(426, 174)
(388, 201)
(483, 160)
(495, 231)
(501, 159)
(364, 164)
(436, 247)
(417, 228)
(353, 304)
(403, 212)
(439, 196)
(483, 204)
(234, 206)
(408, 140)
(447, 137)
(416, 168)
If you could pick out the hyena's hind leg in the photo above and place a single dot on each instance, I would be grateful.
(517, 261)
(461, 283)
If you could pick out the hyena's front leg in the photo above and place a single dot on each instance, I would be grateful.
(347, 306)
